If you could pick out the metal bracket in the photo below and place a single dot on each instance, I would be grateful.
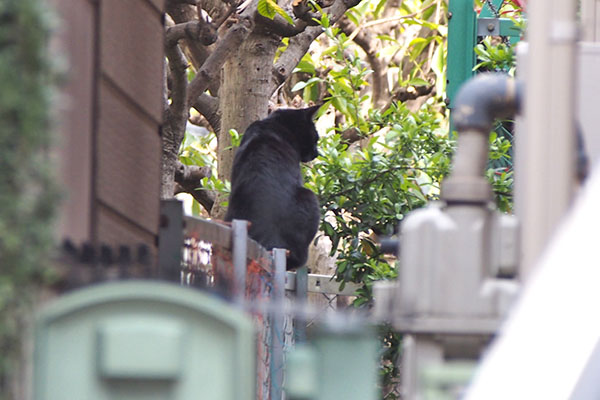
(322, 284)
(488, 27)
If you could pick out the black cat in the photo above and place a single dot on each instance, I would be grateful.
(266, 183)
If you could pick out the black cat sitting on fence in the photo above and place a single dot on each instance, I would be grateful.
(266, 183)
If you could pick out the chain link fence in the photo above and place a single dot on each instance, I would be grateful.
(258, 283)
(223, 261)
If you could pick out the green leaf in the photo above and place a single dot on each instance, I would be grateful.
(302, 85)
(305, 66)
(196, 208)
(359, 301)
(329, 51)
(282, 12)
(388, 50)
(428, 13)
(324, 19)
(418, 45)
(269, 8)
(264, 8)
(438, 66)
(386, 37)
(342, 84)
(352, 17)
(418, 82)
(341, 104)
(236, 138)
(311, 93)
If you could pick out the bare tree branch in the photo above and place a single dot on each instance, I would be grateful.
(411, 93)
(189, 178)
(300, 43)
(219, 10)
(206, 198)
(351, 135)
(197, 30)
(191, 173)
(208, 106)
(200, 121)
(196, 52)
(175, 118)
(225, 47)
(172, 3)
(304, 12)
(279, 26)
(187, 10)
(226, 14)
(183, 94)
(178, 109)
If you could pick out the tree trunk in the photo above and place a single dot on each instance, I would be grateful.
(172, 136)
(244, 98)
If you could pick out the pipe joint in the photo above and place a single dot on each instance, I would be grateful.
(485, 98)
(478, 103)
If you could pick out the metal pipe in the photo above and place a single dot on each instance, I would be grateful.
(480, 101)
(240, 258)
(302, 300)
(277, 331)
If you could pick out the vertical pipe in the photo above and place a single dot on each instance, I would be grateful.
(278, 295)
(240, 255)
(471, 162)
(170, 240)
(548, 146)
(301, 300)
(466, 182)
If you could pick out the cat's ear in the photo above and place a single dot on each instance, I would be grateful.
(310, 112)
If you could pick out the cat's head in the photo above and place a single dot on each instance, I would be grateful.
(299, 122)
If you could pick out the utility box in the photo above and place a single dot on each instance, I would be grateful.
(143, 340)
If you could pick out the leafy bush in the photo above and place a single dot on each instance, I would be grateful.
(495, 57)
(366, 189)
(27, 195)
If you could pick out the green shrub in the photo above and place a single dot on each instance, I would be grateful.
(27, 196)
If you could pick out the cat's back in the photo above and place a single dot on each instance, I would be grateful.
(266, 182)
(264, 155)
